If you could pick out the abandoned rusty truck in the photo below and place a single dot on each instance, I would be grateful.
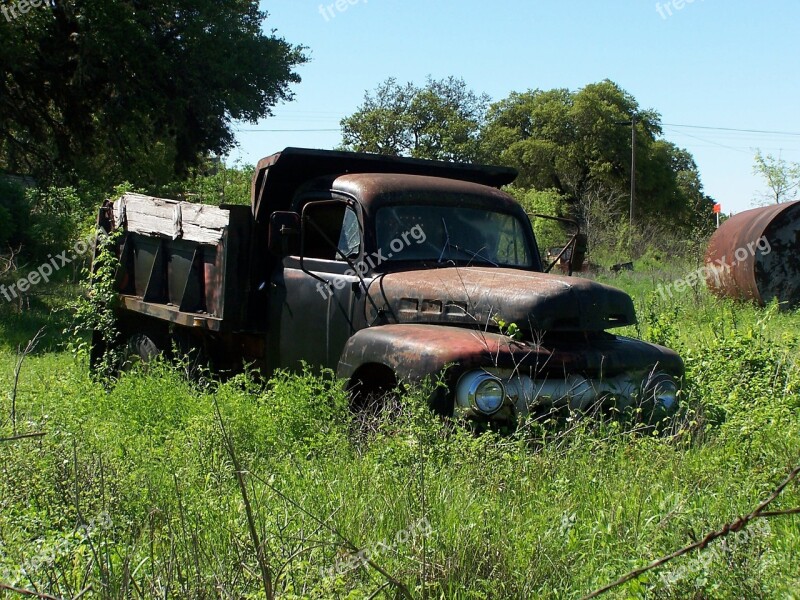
(388, 271)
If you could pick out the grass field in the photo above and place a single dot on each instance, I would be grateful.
(134, 489)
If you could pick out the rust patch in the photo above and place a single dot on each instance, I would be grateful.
(418, 351)
(475, 295)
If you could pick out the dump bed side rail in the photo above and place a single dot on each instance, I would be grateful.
(182, 262)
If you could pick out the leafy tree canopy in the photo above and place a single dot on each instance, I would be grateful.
(579, 143)
(440, 120)
(574, 144)
(782, 178)
(107, 90)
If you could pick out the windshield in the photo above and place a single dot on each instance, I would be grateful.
(450, 233)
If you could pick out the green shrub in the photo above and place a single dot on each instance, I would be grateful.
(214, 183)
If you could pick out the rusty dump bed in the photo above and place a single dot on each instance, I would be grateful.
(180, 262)
(278, 177)
(755, 256)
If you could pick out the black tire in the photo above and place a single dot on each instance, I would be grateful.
(139, 350)
(374, 399)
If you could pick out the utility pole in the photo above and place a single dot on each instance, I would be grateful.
(633, 170)
(632, 123)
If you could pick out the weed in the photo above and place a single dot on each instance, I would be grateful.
(545, 513)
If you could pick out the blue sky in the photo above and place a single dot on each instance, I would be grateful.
(711, 63)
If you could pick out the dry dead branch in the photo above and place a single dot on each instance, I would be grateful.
(8, 264)
(21, 355)
(738, 525)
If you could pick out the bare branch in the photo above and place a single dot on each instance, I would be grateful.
(21, 355)
(24, 592)
(8, 264)
(738, 525)
(402, 590)
(24, 436)
(266, 572)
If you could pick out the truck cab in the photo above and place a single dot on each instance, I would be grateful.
(391, 272)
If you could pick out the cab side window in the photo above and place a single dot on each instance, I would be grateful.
(350, 238)
(331, 226)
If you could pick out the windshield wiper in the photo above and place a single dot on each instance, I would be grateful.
(472, 255)
(446, 242)
(477, 255)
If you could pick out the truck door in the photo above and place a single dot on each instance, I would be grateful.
(314, 298)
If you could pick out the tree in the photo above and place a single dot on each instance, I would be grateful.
(579, 143)
(134, 89)
(782, 178)
(561, 139)
(441, 120)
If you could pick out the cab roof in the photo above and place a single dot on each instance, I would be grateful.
(378, 189)
(278, 177)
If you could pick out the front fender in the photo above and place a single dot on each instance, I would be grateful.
(415, 352)
(581, 373)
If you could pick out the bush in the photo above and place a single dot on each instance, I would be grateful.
(544, 202)
(44, 221)
(214, 184)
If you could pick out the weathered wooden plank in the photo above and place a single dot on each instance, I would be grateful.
(147, 215)
(204, 215)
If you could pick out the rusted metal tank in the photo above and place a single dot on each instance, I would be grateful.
(755, 256)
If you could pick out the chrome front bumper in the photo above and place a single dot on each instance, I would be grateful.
(654, 391)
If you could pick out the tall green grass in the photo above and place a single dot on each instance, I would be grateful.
(133, 490)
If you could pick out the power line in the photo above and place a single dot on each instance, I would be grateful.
(732, 129)
(707, 128)
(667, 125)
(286, 130)
(714, 143)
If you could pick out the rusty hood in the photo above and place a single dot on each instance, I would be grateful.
(480, 295)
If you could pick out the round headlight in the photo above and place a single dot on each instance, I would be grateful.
(482, 392)
(489, 396)
(662, 390)
(666, 394)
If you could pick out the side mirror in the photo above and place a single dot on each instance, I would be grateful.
(578, 254)
(284, 233)
(571, 257)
